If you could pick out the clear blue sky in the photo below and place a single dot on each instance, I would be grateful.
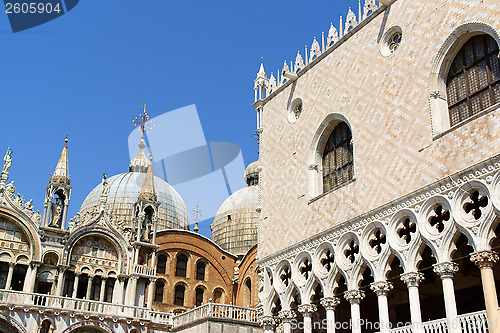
(86, 73)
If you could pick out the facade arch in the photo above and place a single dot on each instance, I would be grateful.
(11, 325)
(88, 326)
(441, 64)
(30, 230)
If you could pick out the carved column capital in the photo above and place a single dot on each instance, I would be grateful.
(354, 296)
(445, 269)
(412, 279)
(484, 259)
(381, 287)
(152, 280)
(307, 309)
(286, 315)
(330, 303)
(266, 321)
(12, 264)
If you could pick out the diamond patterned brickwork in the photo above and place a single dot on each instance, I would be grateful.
(386, 102)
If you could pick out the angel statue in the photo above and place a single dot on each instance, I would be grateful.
(7, 161)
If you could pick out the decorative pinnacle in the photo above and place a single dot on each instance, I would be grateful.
(66, 141)
(197, 213)
(143, 121)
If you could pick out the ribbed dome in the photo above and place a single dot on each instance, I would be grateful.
(235, 224)
(124, 190)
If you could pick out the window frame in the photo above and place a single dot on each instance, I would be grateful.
(179, 269)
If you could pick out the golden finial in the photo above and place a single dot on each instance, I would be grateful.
(143, 121)
(197, 212)
(66, 141)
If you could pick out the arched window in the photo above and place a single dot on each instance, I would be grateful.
(218, 295)
(199, 296)
(159, 291)
(200, 270)
(473, 82)
(180, 269)
(179, 295)
(162, 264)
(247, 294)
(337, 158)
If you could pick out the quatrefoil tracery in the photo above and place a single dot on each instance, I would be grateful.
(352, 249)
(407, 230)
(475, 203)
(439, 218)
(377, 240)
(286, 275)
(327, 260)
(305, 268)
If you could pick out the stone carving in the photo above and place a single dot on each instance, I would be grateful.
(105, 188)
(56, 214)
(333, 35)
(7, 162)
(11, 190)
(445, 269)
(29, 206)
(354, 296)
(315, 50)
(381, 287)
(37, 217)
(19, 200)
(412, 279)
(329, 303)
(272, 84)
(266, 321)
(307, 308)
(484, 259)
(287, 315)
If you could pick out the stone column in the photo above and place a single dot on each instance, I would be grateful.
(267, 323)
(60, 280)
(27, 279)
(132, 290)
(103, 289)
(354, 297)
(151, 290)
(64, 215)
(75, 284)
(485, 261)
(307, 310)
(89, 287)
(9, 275)
(34, 270)
(412, 280)
(330, 303)
(446, 270)
(382, 288)
(287, 317)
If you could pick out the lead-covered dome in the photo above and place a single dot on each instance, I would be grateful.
(235, 224)
(124, 190)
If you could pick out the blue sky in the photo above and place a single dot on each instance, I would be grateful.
(87, 73)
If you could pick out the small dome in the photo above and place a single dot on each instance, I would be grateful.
(124, 190)
(235, 224)
(251, 173)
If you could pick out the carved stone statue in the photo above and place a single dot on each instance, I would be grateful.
(11, 189)
(146, 229)
(56, 214)
(105, 186)
(7, 161)
(29, 206)
(37, 217)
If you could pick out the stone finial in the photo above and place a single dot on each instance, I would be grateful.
(369, 7)
(330, 303)
(299, 62)
(315, 50)
(381, 287)
(484, 259)
(412, 279)
(350, 21)
(333, 36)
(445, 269)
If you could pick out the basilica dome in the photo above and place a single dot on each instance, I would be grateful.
(235, 224)
(124, 190)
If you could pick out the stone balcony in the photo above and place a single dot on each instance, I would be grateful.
(81, 308)
(145, 271)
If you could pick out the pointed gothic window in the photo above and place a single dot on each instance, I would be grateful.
(337, 158)
(180, 269)
(473, 82)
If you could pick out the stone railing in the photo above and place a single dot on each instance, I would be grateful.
(81, 307)
(475, 322)
(144, 270)
(217, 311)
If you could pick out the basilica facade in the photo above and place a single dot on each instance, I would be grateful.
(127, 262)
(380, 172)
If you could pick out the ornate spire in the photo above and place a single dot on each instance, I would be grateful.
(61, 174)
(148, 187)
(262, 72)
